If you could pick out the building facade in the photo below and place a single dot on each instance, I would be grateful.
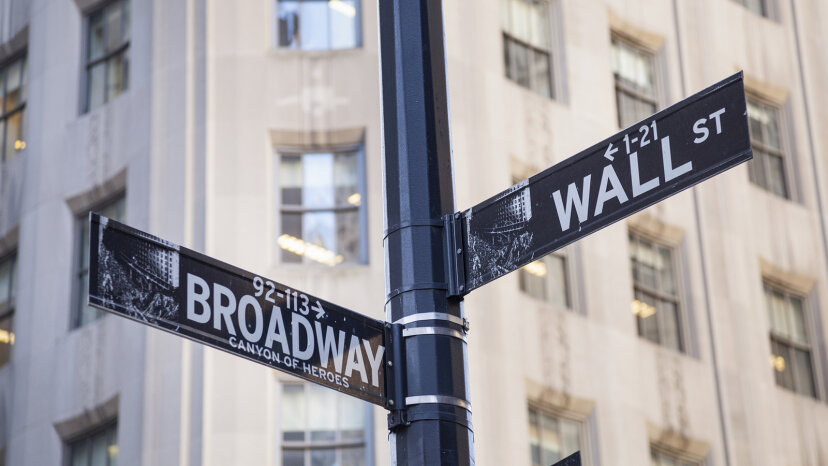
(691, 333)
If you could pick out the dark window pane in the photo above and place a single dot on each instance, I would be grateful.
(804, 372)
(6, 338)
(293, 458)
(323, 457)
(98, 449)
(14, 85)
(125, 24)
(797, 318)
(97, 85)
(353, 456)
(7, 269)
(116, 77)
(80, 453)
(520, 64)
(96, 36)
(670, 334)
(288, 14)
(782, 366)
(15, 140)
(776, 175)
(113, 23)
(2, 144)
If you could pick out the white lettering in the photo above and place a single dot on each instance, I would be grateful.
(223, 311)
(200, 297)
(375, 360)
(303, 354)
(355, 361)
(245, 301)
(715, 116)
(573, 198)
(609, 177)
(276, 330)
(700, 130)
(638, 188)
(329, 345)
(670, 172)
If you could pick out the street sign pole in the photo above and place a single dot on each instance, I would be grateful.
(430, 421)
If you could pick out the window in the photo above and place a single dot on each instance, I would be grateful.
(320, 426)
(8, 269)
(662, 458)
(546, 279)
(107, 55)
(790, 348)
(85, 313)
(98, 448)
(767, 169)
(318, 24)
(552, 438)
(526, 44)
(635, 90)
(12, 107)
(322, 213)
(656, 303)
(760, 7)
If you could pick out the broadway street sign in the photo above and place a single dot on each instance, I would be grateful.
(166, 286)
(668, 152)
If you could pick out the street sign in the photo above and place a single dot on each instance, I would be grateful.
(571, 460)
(676, 148)
(166, 286)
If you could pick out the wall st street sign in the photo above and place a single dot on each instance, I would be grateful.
(166, 286)
(676, 148)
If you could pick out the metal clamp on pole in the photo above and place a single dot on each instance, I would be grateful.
(455, 255)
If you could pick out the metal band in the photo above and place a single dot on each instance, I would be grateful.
(416, 286)
(437, 399)
(412, 223)
(432, 316)
(410, 332)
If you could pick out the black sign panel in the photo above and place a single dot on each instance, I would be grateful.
(158, 283)
(571, 460)
(668, 152)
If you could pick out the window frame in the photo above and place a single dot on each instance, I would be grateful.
(358, 29)
(768, 284)
(569, 296)
(307, 446)
(682, 321)
(87, 436)
(80, 219)
(555, 87)
(784, 152)
(22, 57)
(620, 87)
(358, 148)
(89, 63)
(7, 308)
(582, 421)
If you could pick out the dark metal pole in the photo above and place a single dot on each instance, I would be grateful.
(430, 419)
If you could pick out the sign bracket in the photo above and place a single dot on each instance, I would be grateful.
(453, 228)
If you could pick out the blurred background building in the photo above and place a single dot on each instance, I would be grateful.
(689, 334)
